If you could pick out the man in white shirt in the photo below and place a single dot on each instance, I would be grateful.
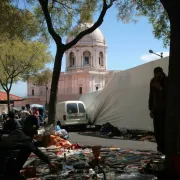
(24, 114)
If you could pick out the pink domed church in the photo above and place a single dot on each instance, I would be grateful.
(86, 71)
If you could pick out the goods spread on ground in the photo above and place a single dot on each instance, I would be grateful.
(109, 131)
(129, 136)
(75, 163)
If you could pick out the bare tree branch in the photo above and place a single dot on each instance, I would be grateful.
(3, 86)
(55, 36)
(63, 4)
(8, 75)
(91, 29)
(11, 82)
(111, 3)
(21, 71)
(5, 66)
(66, 8)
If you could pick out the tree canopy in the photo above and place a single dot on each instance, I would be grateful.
(19, 59)
(64, 14)
(41, 78)
(16, 22)
(130, 10)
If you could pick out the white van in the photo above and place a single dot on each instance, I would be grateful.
(71, 113)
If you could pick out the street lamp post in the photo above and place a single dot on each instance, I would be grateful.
(152, 52)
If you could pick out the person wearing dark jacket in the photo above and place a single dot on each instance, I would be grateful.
(157, 106)
(11, 124)
(23, 141)
(31, 121)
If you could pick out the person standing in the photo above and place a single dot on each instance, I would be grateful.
(157, 106)
(31, 121)
(11, 124)
(36, 114)
(29, 109)
(24, 114)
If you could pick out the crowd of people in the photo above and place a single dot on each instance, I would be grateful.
(24, 113)
(20, 136)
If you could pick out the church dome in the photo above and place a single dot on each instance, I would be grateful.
(95, 38)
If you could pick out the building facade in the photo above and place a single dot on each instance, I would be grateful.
(86, 71)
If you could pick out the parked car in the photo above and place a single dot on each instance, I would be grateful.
(71, 114)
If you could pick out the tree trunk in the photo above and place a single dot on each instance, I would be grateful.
(173, 106)
(8, 101)
(54, 84)
(173, 101)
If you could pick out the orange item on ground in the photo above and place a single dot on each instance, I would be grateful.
(57, 141)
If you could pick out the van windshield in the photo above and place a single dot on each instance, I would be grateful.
(81, 108)
(72, 108)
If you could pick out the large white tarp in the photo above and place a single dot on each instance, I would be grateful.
(89, 98)
(124, 101)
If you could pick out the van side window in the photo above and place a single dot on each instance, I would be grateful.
(72, 108)
(81, 108)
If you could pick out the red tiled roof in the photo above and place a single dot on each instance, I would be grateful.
(3, 97)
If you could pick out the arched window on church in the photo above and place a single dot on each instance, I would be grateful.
(101, 59)
(86, 58)
(71, 59)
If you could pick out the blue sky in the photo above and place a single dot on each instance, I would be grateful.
(128, 45)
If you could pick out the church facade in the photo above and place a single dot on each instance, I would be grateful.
(86, 71)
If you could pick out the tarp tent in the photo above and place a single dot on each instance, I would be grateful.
(124, 101)
(89, 98)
